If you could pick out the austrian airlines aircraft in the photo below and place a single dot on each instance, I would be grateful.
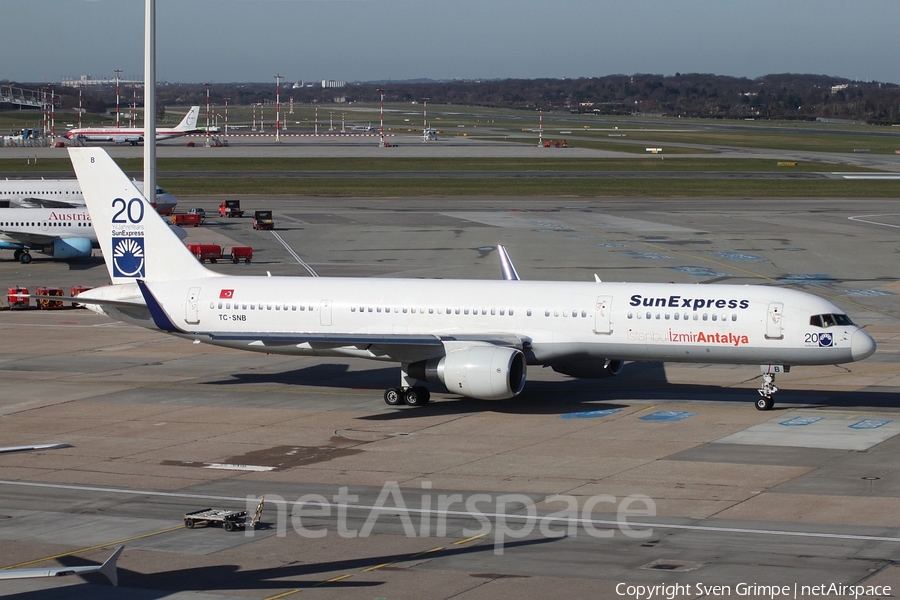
(474, 337)
(59, 232)
(134, 135)
(62, 193)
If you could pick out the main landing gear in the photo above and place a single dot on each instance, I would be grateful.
(22, 256)
(416, 395)
(407, 393)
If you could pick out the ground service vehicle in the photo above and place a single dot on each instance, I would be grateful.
(262, 219)
(214, 253)
(184, 219)
(229, 519)
(230, 208)
(198, 211)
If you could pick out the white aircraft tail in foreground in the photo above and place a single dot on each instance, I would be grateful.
(108, 569)
(474, 337)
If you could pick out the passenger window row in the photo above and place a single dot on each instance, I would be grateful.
(47, 224)
(431, 310)
(681, 316)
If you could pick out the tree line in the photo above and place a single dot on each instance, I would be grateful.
(695, 95)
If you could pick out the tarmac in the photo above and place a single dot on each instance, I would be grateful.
(664, 475)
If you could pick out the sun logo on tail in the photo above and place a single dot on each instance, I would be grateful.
(128, 257)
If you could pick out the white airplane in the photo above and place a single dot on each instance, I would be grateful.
(62, 233)
(134, 135)
(367, 128)
(62, 193)
(107, 569)
(474, 337)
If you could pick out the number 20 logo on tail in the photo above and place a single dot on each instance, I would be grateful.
(128, 246)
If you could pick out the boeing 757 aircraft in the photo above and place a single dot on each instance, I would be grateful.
(477, 338)
(134, 135)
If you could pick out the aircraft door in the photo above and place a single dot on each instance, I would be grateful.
(774, 320)
(192, 306)
(325, 313)
(603, 315)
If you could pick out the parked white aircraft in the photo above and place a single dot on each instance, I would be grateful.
(62, 233)
(62, 193)
(134, 135)
(107, 569)
(474, 337)
(59, 232)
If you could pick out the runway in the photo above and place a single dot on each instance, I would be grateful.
(663, 475)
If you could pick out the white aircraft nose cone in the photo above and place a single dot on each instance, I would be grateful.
(861, 345)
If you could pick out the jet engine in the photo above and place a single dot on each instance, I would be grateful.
(590, 368)
(483, 372)
(69, 248)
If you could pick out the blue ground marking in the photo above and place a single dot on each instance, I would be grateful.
(869, 424)
(590, 414)
(648, 255)
(700, 272)
(805, 278)
(611, 245)
(868, 293)
(668, 415)
(738, 256)
(800, 421)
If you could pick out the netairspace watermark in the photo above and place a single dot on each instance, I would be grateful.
(774, 592)
(429, 518)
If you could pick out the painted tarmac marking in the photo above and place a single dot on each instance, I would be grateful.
(475, 515)
(864, 219)
(800, 421)
(668, 416)
(869, 424)
(590, 414)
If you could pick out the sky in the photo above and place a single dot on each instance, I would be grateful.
(223, 41)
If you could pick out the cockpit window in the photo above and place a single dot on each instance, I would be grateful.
(830, 320)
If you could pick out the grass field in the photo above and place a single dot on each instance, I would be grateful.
(199, 176)
(435, 186)
(190, 176)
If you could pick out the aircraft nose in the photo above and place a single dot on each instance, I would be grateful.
(861, 345)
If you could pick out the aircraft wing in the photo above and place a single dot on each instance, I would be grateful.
(35, 239)
(108, 569)
(44, 203)
(401, 347)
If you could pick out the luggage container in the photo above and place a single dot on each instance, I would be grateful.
(47, 303)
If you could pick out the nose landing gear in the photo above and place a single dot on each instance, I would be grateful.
(768, 388)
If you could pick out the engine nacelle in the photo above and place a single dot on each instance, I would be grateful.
(483, 372)
(590, 368)
(69, 248)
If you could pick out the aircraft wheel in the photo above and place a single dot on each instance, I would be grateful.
(392, 396)
(25, 258)
(18, 254)
(763, 403)
(416, 396)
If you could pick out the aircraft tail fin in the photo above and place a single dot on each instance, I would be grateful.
(189, 122)
(136, 242)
